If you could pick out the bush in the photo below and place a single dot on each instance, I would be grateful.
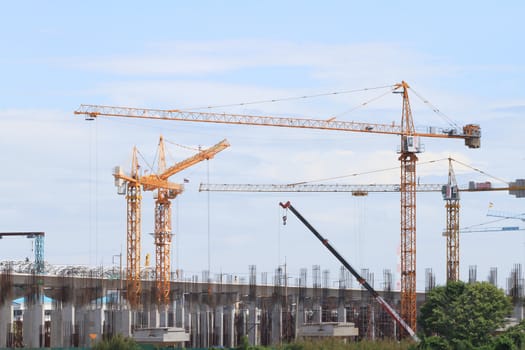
(433, 343)
(117, 342)
(504, 342)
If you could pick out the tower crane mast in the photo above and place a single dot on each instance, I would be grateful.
(163, 228)
(451, 197)
(409, 148)
(133, 229)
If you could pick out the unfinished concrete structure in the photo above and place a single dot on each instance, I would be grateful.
(87, 305)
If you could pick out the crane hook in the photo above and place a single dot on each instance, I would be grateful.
(285, 211)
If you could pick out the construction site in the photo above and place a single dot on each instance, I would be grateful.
(45, 305)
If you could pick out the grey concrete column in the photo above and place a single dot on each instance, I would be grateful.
(253, 325)
(299, 317)
(6, 322)
(153, 317)
(341, 313)
(230, 327)
(318, 313)
(205, 326)
(195, 329)
(517, 311)
(189, 326)
(301, 313)
(91, 327)
(163, 316)
(219, 326)
(33, 325)
(277, 321)
(179, 313)
(210, 316)
(123, 321)
(62, 326)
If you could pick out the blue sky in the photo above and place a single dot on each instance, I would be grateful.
(466, 58)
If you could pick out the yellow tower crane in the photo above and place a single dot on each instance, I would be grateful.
(410, 146)
(131, 186)
(450, 193)
(163, 198)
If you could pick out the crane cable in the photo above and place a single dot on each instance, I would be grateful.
(365, 103)
(359, 174)
(480, 171)
(396, 168)
(484, 223)
(290, 98)
(150, 166)
(183, 146)
(435, 109)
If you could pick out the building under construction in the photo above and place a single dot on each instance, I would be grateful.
(74, 307)
(49, 306)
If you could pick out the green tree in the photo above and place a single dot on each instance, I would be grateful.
(117, 342)
(464, 312)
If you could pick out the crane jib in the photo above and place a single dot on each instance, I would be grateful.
(470, 133)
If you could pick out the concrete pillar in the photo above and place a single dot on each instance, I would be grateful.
(153, 317)
(219, 327)
(196, 328)
(341, 313)
(163, 316)
(210, 315)
(318, 313)
(243, 315)
(6, 321)
(205, 326)
(230, 327)
(301, 313)
(91, 325)
(62, 326)
(179, 313)
(277, 321)
(517, 311)
(299, 317)
(33, 327)
(123, 320)
(253, 325)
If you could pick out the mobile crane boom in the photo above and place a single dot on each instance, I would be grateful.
(360, 279)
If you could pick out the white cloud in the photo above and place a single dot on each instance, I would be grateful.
(355, 65)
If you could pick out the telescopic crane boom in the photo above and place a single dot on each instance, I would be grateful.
(410, 146)
(360, 279)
